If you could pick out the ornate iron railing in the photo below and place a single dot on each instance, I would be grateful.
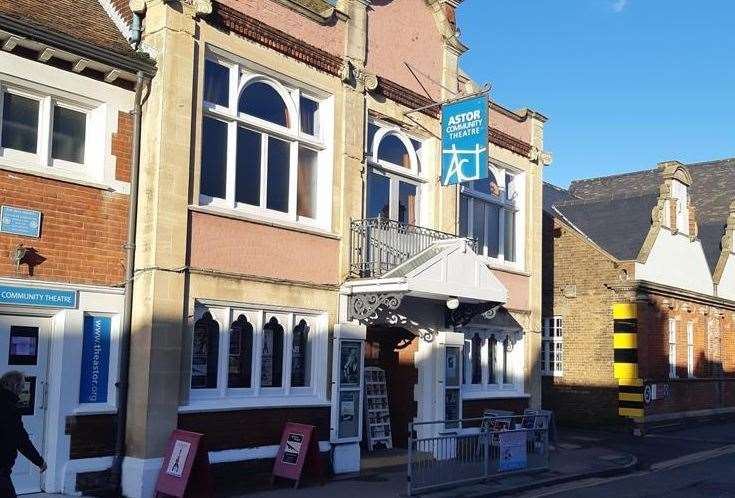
(378, 245)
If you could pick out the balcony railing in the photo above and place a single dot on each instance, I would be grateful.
(378, 245)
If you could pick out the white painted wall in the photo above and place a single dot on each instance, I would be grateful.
(726, 287)
(678, 262)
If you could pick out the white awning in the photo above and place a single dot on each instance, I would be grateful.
(448, 268)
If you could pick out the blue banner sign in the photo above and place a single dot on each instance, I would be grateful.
(464, 140)
(35, 296)
(18, 221)
(95, 359)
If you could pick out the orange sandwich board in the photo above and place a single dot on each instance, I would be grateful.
(185, 470)
(299, 448)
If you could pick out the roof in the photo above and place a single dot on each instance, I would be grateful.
(615, 211)
(554, 195)
(83, 20)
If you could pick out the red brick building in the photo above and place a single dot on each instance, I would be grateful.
(67, 78)
(639, 295)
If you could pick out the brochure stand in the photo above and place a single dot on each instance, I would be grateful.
(377, 413)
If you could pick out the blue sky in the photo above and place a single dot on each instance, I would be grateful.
(625, 83)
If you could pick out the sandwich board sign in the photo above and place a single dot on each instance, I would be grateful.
(185, 469)
(299, 447)
(464, 140)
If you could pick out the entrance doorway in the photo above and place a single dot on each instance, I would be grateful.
(393, 349)
(24, 347)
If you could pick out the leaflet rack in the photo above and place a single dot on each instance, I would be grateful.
(377, 413)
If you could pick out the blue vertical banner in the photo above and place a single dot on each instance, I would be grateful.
(464, 140)
(95, 359)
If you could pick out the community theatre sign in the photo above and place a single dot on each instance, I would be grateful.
(41, 297)
(464, 140)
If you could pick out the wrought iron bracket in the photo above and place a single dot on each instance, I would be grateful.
(366, 306)
(466, 312)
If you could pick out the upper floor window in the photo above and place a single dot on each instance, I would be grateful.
(552, 346)
(394, 181)
(264, 149)
(681, 195)
(672, 348)
(489, 211)
(241, 352)
(43, 131)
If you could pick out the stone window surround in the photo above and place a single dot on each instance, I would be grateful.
(242, 73)
(223, 398)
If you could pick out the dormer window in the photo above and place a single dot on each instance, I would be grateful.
(679, 192)
(264, 145)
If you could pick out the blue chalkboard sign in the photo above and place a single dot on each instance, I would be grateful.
(19, 221)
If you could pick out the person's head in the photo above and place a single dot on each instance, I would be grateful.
(12, 381)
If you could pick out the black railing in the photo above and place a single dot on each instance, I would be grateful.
(378, 245)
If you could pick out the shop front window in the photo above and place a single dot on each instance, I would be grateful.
(493, 362)
(263, 149)
(261, 352)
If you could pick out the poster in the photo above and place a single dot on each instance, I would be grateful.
(349, 408)
(177, 462)
(350, 364)
(266, 370)
(451, 408)
(23, 348)
(27, 397)
(513, 454)
(294, 441)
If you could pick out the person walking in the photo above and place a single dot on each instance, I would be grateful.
(13, 436)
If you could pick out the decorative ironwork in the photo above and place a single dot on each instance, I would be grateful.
(379, 245)
(365, 306)
(466, 312)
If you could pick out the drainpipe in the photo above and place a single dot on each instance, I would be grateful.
(136, 30)
(122, 385)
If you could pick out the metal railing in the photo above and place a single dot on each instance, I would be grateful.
(378, 245)
(448, 453)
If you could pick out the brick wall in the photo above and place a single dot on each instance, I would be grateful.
(83, 229)
(121, 146)
(255, 427)
(574, 276)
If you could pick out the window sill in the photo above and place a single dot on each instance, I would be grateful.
(8, 165)
(255, 402)
(101, 409)
(494, 264)
(239, 215)
(494, 394)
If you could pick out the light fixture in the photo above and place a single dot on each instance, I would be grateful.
(452, 303)
(17, 255)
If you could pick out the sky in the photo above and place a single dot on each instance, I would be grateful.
(625, 83)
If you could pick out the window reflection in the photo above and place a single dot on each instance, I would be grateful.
(214, 158)
(240, 353)
(247, 178)
(68, 135)
(262, 101)
(279, 158)
(393, 150)
(20, 123)
(378, 204)
(271, 354)
(216, 83)
(205, 349)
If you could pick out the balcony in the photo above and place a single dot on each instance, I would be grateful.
(378, 245)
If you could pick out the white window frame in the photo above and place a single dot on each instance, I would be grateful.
(514, 201)
(672, 349)
(550, 341)
(394, 172)
(243, 73)
(690, 349)
(515, 363)
(256, 395)
(42, 159)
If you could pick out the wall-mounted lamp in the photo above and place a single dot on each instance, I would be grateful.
(452, 303)
(17, 255)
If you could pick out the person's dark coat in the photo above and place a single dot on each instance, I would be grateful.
(13, 436)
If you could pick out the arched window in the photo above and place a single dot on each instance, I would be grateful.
(261, 100)
(476, 359)
(254, 143)
(300, 360)
(241, 353)
(393, 179)
(492, 361)
(272, 354)
(205, 351)
(392, 150)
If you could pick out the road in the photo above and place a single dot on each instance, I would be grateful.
(681, 463)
